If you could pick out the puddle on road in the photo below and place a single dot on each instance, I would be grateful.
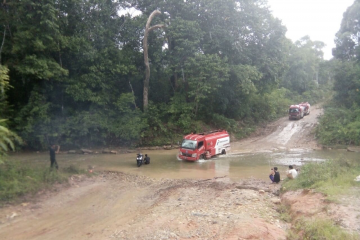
(164, 164)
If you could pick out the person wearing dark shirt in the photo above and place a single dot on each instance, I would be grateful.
(271, 176)
(52, 155)
(276, 175)
(147, 159)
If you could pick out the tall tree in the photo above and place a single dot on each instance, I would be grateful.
(304, 63)
(148, 29)
(347, 74)
(347, 38)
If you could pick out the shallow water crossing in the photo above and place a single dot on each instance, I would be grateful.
(164, 163)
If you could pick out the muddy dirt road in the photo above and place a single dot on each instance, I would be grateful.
(283, 134)
(115, 205)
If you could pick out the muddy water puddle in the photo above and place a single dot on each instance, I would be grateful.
(164, 164)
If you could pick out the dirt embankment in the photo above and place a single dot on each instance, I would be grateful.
(122, 206)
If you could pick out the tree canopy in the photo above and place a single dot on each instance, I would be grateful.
(341, 122)
(77, 71)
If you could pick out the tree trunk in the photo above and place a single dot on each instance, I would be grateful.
(146, 56)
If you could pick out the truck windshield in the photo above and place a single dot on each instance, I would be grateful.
(292, 110)
(189, 144)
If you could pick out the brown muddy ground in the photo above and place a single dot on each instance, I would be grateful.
(113, 205)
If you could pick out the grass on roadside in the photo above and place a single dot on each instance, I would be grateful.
(18, 180)
(284, 211)
(313, 229)
(332, 177)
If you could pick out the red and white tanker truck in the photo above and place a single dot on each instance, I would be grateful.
(204, 145)
(306, 106)
(296, 112)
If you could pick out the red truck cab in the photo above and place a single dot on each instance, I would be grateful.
(296, 112)
(204, 145)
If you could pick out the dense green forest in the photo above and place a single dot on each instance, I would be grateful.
(73, 71)
(341, 121)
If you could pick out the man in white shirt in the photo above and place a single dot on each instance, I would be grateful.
(292, 173)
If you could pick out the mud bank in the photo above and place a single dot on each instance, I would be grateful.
(122, 206)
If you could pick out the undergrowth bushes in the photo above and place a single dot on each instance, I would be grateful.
(167, 123)
(339, 126)
(318, 229)
(330, 177)
(17, 180)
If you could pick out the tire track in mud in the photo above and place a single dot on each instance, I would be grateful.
(282, 134)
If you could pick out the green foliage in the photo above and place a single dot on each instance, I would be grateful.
(205, 74)
(17, 180)
(167, 124)
(221, 122)
(340, 122)
(7, 140)
(319, 229)
(77, 70)
(284, 211)
(4, 80)
(278, 102)
(339, 126)
(304, 66)
(347, 84)
(181, 113)
(4, 86)
(7, 137)
(36, 39)
(331, 177)
(347, 42)
(73, 169)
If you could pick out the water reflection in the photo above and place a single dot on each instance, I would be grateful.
(164, 164)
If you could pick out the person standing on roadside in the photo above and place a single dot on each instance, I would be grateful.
(52, 155)
(276, 175)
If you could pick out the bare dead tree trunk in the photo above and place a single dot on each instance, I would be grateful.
(146, 56)
(132, 90)
(3, 41)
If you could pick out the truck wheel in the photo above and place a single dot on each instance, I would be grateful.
(202, 157)
(223, 152)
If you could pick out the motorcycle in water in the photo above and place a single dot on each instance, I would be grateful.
(139, 159)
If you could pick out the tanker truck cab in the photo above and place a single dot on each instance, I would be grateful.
(296, 112)
(204, 145)
(191, 149)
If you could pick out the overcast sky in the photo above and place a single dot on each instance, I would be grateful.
(320, 19)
